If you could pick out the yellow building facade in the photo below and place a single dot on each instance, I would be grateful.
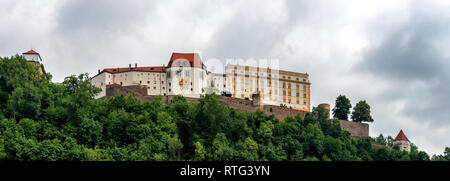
(276, 87)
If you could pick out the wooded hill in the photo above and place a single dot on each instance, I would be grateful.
(41, 120)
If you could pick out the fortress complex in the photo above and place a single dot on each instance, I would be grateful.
(186, 75)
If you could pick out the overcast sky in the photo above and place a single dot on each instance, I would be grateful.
(394, 54)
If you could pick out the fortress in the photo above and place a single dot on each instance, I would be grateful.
(275, 92)
(186, 75)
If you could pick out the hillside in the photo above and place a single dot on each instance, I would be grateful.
(41, 120)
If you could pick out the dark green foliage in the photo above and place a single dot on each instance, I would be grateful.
(41, 120)
(342, 108)
(361, 112)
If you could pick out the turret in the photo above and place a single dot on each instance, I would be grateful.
(34, 58)
(402, 141)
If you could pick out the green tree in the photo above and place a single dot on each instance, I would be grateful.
(248, 150)
(2, 147)
(264, 132)
(90, 132)
(342, 108)
(380, 140)
(174, 147)
(221, 149)
(447, 153)
(361, 112)
(200, 152)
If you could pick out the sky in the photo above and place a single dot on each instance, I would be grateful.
(393, 54)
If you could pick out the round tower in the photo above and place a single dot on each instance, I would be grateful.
(326, 107)
(402, 141)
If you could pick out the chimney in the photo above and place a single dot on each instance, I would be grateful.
(98, 70)
(135, 65)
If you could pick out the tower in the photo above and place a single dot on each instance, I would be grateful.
(327, 109)
(34, 58)
(402, 141)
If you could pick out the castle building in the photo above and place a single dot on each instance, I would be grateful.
(34, 58)
(186, 75)
(275, 87)
(402, 141)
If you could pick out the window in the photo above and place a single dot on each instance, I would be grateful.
(304, 95)
(140, 82)
(148, 82)
(154, 88)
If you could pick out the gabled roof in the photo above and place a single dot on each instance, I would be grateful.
(31, 52)
(140, 69)
(401, 136)
(193, 58)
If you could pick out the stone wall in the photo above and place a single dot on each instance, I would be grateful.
(136, 90)
(139, 92)
(355, 129)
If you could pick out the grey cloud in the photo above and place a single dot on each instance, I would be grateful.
(102, 15)
(243, 36)
(411, 59)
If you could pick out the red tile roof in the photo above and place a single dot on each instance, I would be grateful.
(401, 136)
(193, 58)
(377, 145)
(141, 69)
(31, 52)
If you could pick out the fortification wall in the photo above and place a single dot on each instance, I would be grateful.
(355, 128)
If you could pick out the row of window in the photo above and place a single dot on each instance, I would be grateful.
(142, 74)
